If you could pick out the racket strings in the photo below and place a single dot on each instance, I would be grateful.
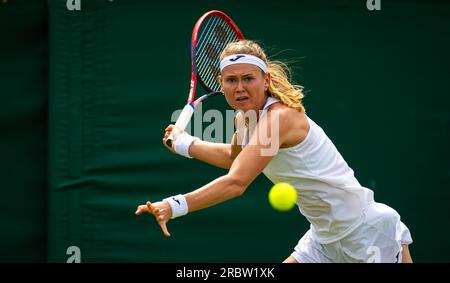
(208, 52)
(212, 37)
(213, 45)
(206, 28)
(227, 37)
(215, 35)
(205, 38)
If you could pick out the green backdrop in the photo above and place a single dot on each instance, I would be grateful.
(23, 131)
(376, 81)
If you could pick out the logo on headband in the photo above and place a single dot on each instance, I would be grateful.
(236, 58)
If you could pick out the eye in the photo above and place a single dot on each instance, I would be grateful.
(230, 80)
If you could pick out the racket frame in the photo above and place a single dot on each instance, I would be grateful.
(190, 106)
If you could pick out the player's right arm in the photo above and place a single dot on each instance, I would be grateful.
(218, 154)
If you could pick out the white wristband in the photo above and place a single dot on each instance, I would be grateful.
(182, 144)
(178, 204)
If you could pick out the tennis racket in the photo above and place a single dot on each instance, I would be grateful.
(212, 32)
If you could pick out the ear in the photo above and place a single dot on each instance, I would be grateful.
(266, 81)
(220, 80)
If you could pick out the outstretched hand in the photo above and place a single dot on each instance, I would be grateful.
(161, 210)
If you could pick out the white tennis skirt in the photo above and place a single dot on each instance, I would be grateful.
(379, 238)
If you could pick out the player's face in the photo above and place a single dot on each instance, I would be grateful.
(244, 86)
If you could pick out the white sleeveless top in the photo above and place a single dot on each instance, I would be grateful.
(328, 194)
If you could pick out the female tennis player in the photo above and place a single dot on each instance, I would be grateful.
(347, 225)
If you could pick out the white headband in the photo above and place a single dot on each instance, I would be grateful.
(243, 59)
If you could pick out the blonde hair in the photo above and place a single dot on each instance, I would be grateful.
(279, 85)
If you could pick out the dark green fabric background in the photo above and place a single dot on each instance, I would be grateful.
(376, 81)
(23, 131)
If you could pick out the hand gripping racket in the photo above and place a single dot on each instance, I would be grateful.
(212, 32)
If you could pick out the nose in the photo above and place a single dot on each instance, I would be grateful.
(240, 86)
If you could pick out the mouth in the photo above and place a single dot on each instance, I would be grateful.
(242, 99)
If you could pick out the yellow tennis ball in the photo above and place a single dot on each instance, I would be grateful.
(282, 196)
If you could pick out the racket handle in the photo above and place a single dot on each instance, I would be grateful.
(182, 121)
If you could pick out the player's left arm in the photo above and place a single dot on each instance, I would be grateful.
(270, 132)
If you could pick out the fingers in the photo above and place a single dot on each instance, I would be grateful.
(155, 211)
(165, 144)
(164, 228)
(159, 218)
(148, 207)
(168, 131)
(167, 134)
(151, 208)
(169, 128)
(140, 209)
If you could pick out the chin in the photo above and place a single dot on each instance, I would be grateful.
(242, 108)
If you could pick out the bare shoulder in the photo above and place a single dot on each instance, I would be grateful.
(290, 116)
(293, 123)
